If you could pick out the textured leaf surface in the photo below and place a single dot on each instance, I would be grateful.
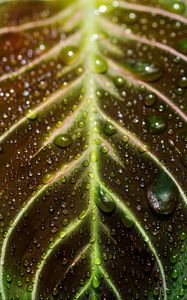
(93, 152)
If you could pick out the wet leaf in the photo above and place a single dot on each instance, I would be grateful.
(93, 148)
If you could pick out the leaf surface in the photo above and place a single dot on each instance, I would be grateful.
(93, 150)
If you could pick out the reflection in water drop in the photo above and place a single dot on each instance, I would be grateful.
(63, 140)
(176, 7)
(104, 201)
(109, 129)
(162, 195)
(69, 54)
(100, 64)
(156, 124)
(147, 71)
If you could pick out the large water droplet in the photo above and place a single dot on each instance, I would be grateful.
(162, 195)
(156, 124)
(63, 140)
(104, 201)
(96, 281)
(149, 72)
(127, 221)
(109, 129)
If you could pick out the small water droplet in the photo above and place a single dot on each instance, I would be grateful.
(8, 278)
(184, 281)
(100, 64)
(119, 81)
(32, 115)
(63, 140)
(174, 274)
(97, 261)
(177, 7)
(182, 83)
(69, 54)
(150, 100)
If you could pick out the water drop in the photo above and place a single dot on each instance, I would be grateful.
(182, 83)
(104, 150)
(182, 236)
(63, 140)
(8, 278)
(69, 54)
(29, 288)
(162, 195)
(127, 221)
(156, 124)
(119, 81)
(175, 274)
(109, 129)
(149, 72)
(97, 261)
(177, 7)
(104, 201)
(184, 281)
(150, 100)
(32, 115)
(100, 64)
(96, 281)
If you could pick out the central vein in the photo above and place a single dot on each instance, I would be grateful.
(91, 50)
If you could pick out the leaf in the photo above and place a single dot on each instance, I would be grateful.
(93, 150)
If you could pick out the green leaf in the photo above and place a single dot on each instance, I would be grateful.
(93, 148)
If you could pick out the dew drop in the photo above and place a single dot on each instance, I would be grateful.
(29, 288)
(104, 150)
(127, 221)
(104, 201)
(100, 64)
(150, 100)
(96, 281)
(97, 261)
(63, 140)
(162, 195)
(174, 274)
(125, 138)
(69, 54)
(177, 7)
(109, 129)
(184, 281)
(156, 124)
(182, 83)
(32, 115)
(119, 81)
(8, 278)
(147, 71)
(47, 178)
